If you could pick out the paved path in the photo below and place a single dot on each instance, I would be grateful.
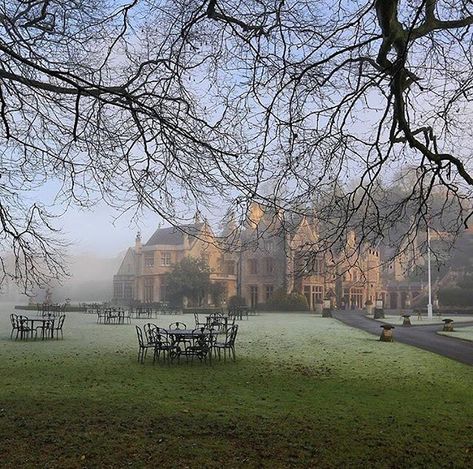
(424, 337)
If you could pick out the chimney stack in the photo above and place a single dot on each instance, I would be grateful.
(138, 245)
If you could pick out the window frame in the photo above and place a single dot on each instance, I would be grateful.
(148, 258)
(166, 258)
(268, 292)
(253, 266)
(269, 265)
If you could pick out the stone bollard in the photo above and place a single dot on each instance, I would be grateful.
(319, 308)
(327, 311)
(447, 325)
(407, 320)
(378, 313)
(387, 333)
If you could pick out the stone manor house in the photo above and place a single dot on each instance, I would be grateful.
(270, 253)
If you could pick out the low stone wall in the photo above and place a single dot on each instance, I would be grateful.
(69, 309)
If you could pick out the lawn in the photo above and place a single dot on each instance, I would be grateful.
(465, 333)
(396, 319)
(304, 391)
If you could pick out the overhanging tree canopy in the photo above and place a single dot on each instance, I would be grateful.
(157, 103)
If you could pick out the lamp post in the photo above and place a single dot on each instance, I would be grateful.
(429, 305)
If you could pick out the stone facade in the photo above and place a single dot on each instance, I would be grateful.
(272, 252)
(142, 274)
(280, 254)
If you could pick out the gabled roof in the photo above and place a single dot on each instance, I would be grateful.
(127, 267)
(174, 236)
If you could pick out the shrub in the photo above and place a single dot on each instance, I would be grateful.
(189, 278)
(218, 292)
(455, 297)
(282, 301)
(466, 283)
(235, 301)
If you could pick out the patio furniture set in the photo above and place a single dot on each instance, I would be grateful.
(113, 316)
(47, 327)
(105, 312)
(241, 312)
(46, 310)
(152, 311)
(212, 338)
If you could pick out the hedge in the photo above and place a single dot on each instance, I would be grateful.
(282, 301)
(455, 296)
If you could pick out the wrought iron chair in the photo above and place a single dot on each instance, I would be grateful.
(150, 330)
(113, 315)
(228, 344)
(163, 344)
(142, 345)
(217, 321)
(45, 328)
(14, 325)
(57, 327)
(101, 316)
(23, 328)
(199, 345)
(198, 324)
(127, 316)
(177, 326)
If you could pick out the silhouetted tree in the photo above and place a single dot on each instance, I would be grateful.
(169, 103)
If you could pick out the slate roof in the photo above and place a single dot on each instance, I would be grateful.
(174, 235)
(127, 260)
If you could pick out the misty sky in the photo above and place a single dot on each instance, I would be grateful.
(96, 231)
(102, 230)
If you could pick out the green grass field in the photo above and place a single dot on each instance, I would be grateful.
(304, 392)
(465, 333)
(397, 319)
